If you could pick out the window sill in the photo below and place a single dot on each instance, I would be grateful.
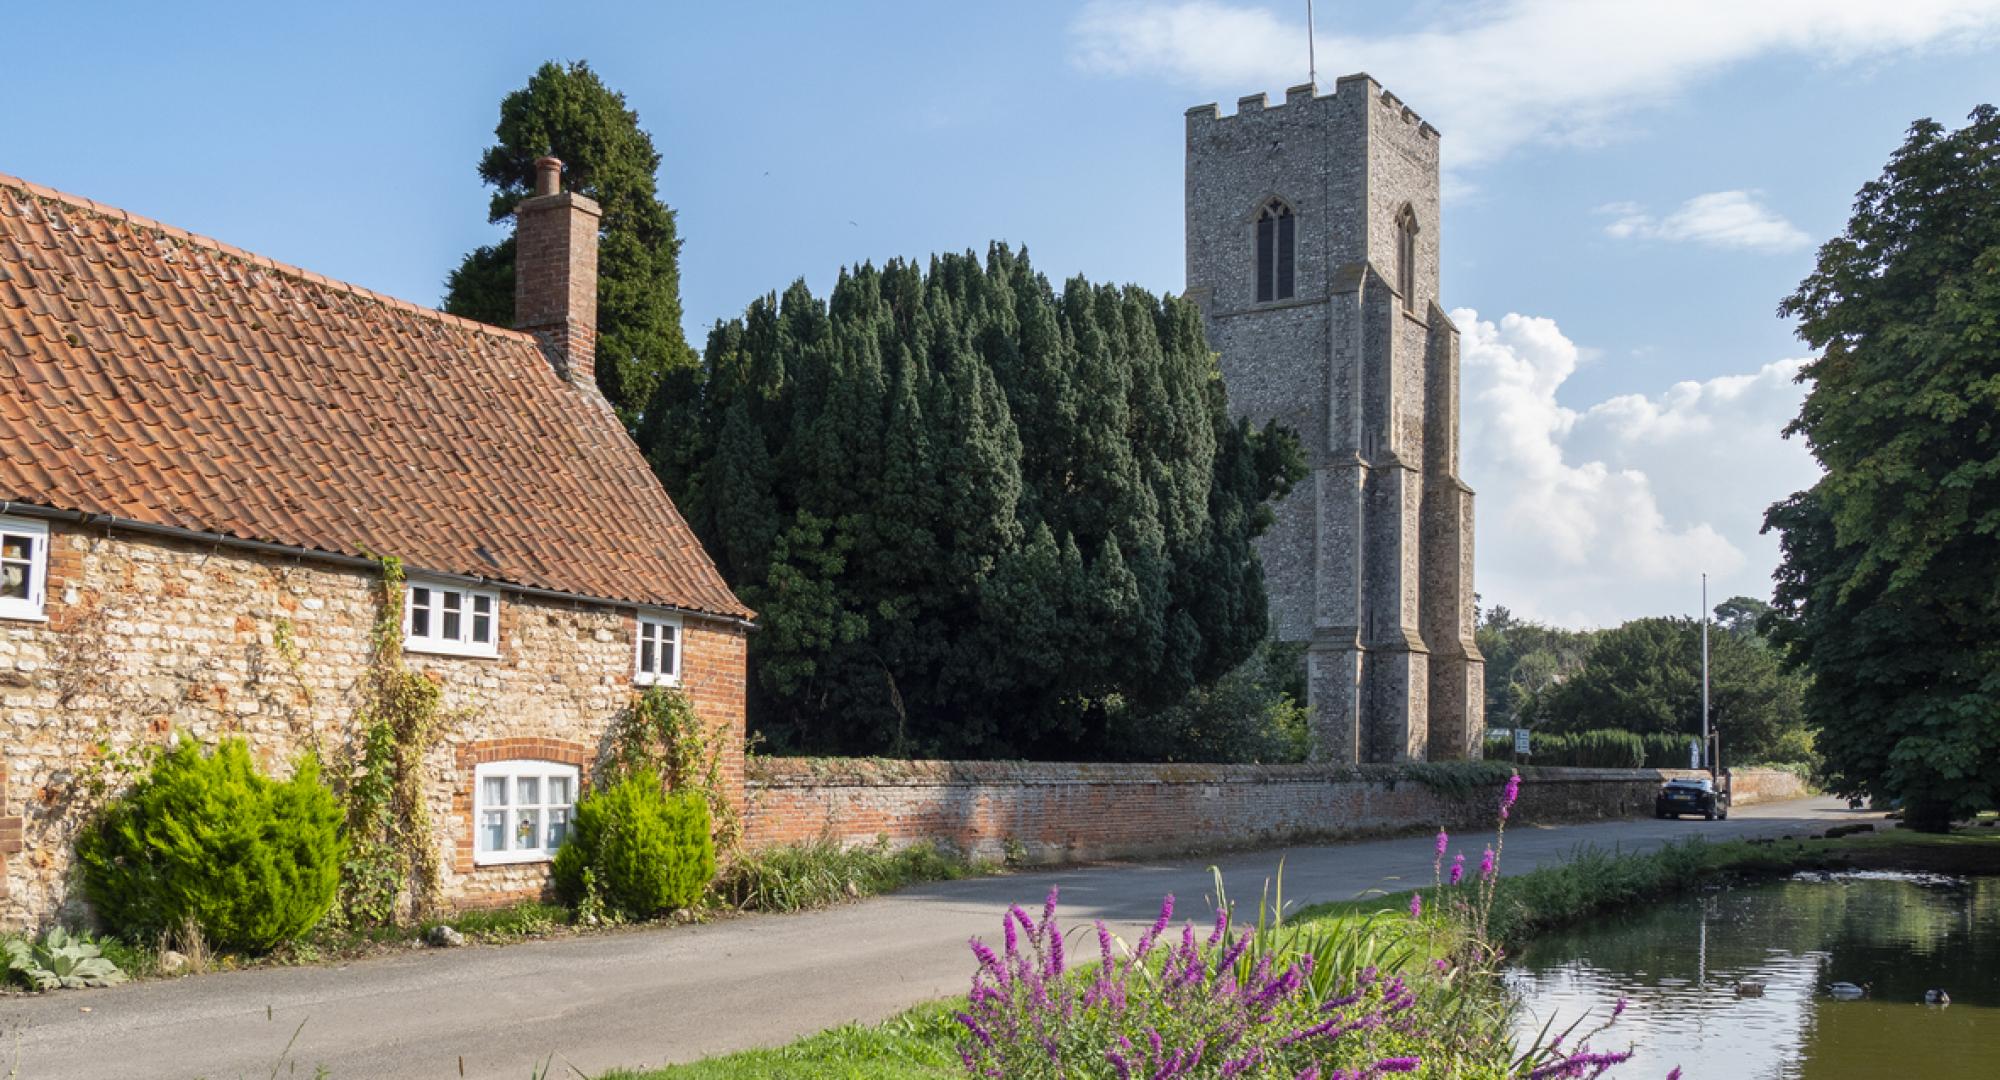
(23, 616)
(447, 648)
(511, 858)
(650, 681)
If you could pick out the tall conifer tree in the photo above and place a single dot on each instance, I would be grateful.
(567, 111)
(995, 516)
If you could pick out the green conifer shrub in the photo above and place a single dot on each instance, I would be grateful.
(254, 862)
(646, 850)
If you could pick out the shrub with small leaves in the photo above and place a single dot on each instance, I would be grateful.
(647, 851)
(252, 862)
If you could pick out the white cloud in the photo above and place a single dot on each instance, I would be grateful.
(1591, 516)
(1723, 219)
(1495, 75)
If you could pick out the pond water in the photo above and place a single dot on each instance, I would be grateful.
(1680, 963)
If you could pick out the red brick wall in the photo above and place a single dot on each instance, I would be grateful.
(10, 829)
(1067, 812)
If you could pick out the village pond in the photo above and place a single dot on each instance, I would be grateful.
(1735, 983)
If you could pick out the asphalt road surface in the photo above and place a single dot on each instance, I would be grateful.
(649, 997)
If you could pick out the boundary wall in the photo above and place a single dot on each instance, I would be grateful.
(1058, 812)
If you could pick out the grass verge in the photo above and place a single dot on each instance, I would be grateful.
(922, 1044)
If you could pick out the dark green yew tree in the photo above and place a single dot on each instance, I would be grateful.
(977, 516)
(567, 111)
(1889, 593)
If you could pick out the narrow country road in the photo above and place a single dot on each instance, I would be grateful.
(655, 996)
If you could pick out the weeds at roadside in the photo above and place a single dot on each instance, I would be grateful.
(820, 873)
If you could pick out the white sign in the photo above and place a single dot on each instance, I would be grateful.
(1521, 741)
(1694, 753)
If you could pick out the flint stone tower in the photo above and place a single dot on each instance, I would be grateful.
(1312, 251)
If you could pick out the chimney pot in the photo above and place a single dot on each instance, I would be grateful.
(548, 175)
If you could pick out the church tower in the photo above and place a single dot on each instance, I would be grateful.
(1312, 251)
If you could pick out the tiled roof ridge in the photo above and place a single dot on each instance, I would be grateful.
(230, 251)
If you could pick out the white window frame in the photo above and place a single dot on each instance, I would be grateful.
(439, 596)
(31, 606)
(512, 773)
(667, 628)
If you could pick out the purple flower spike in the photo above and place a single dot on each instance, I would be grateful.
(1399, 1064)
(1444, 839)
(1508, 796)
(1618, 1010)
(1458, 868)
(1416, 905)
(1486, 863)
(1676, 1074)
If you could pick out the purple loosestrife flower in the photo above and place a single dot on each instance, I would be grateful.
(1055, 948)
(978, 1032)
(1416, 905)
(1486, 866)
(1618, 1009)
(1676, 1074)
(1508, 796)
(1153, 932)
(1398, 1064)
(1458, 868)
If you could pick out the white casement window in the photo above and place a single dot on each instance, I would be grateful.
(521, 810)
(451, 619)
(657, 652)
(24, 567)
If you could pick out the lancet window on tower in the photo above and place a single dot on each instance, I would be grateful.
(1406, 257)
(1277, 252)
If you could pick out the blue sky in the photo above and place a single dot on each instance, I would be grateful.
(1632, 186)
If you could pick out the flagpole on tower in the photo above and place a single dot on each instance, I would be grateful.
(1312, 61)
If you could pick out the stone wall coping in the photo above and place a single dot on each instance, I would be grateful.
(783, 772)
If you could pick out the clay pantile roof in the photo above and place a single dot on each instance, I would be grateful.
(171, 380)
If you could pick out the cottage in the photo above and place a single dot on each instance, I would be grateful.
(206, 455)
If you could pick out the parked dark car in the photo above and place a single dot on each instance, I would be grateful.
(1691, 795)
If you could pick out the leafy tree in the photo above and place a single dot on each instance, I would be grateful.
(1889, 590)
(1523, 659)
(1645, 677)
(977, 515)
(1739, 614)
(567, 111)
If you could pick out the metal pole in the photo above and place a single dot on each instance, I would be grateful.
(1312, 61)
(1707, 756)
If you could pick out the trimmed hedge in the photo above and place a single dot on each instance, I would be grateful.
(1609, 748)
(253, 862)
(644, 850)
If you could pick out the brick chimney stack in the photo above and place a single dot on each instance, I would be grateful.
(555, 273)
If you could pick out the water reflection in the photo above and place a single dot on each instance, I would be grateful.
(1682, 964)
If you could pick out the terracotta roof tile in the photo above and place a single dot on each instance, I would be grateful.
(157, 376)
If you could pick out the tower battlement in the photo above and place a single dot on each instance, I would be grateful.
(1306, 95)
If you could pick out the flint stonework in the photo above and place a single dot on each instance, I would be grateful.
(1370, 561)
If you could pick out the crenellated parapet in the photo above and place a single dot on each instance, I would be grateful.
(1306, 96)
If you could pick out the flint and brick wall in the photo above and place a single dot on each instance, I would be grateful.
(146, 638)
(1066, 812)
